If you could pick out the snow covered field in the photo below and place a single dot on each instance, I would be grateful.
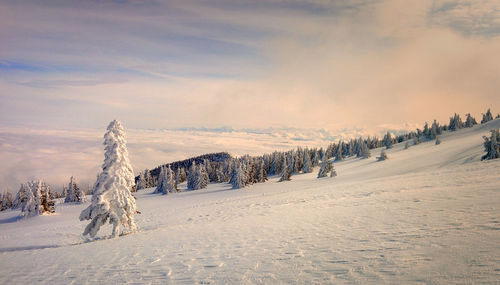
(429, 214)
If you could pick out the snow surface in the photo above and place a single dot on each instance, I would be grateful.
(429, 214)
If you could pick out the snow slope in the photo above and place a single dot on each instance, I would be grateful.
(429, 214)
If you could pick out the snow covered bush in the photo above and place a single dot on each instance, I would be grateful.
(74, 192)
(492, 145)
(383, 156)
(112, 200)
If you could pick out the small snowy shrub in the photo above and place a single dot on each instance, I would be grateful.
(492, 145)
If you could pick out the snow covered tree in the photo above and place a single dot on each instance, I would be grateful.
(261, 172)
(112, 200)
(455, 123)
(141, 183)
(492, 145)
(31, 207)
(6, 201)
(169, 181)
(325, 167)
(470, 121)
(160, 187)
(191, 177)
(387, 140)
(383, 156)
(148, 179)
(285, 173)
(364, 152)
(407, 145)
(21, 197)
(340, 152)
(46, 202)
(487, 117)
(75, 193)
(307, 167)
(240, 178)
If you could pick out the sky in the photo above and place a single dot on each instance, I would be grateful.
(67, 68)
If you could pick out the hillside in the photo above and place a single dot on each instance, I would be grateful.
(428, 214)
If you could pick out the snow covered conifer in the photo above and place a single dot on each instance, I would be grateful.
(307, 167)
(191, 177)
(31, 207)
(75, 193)
(141, 183)
(383, 156)
(455, 123)
(160, 187)
(240, 177)
(487, 117)
(21, 197)
(364, 152)
(46, 202)
(6, 201)
(438, 141)
(492, 145)
(325, 168)
(470, 121)
(407, 145)
(388, 140)
(261, 172)
(340, 152)
(285, 173)
(169, 181)
(112, 200)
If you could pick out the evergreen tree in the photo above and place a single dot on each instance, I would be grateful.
(141, 183)
(487, 117)
(160, 187)
(31, 207)
(112, 200)
(340, 152)
(46, 202)
(492, 145)
(261, 173)
(470, 121)
(325, 168)
(191, 177)
(387, 140)
(169, 181)
(307, 167)
(364, 152)
(6, 201)
(148, 179)
(455, 123)
(407, 145)
(285, 173)
(383, 156)
(21, 197)
(438, 141)
(240, 178)
(75, 193)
